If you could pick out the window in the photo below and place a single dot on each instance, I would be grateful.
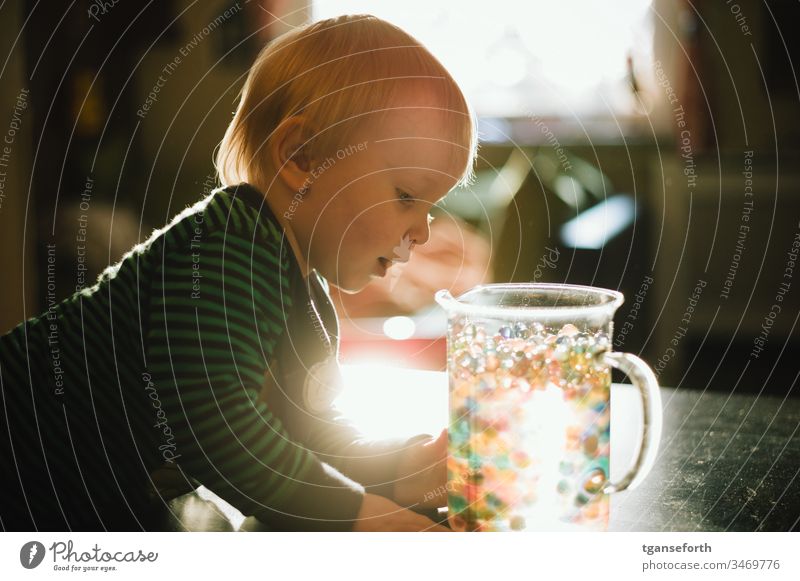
(564, 58)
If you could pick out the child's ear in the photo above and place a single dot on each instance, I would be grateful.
(289, 152)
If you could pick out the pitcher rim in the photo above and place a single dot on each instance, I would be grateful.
(449, 302)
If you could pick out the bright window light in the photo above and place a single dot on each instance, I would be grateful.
(593, 228)
(389, 402)
(567, 58)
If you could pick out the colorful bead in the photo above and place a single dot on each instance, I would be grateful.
(569, 330)
(521, 330)
(494, 476)
(517, 523)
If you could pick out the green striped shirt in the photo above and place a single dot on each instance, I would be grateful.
(162, 362)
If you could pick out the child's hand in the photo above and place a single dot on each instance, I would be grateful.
(422, 474)
(381, 514)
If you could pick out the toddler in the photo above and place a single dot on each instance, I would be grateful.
(209, 352)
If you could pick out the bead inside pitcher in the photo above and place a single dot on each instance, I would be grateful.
(529, 407)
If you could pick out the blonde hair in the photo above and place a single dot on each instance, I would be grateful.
(336, 72)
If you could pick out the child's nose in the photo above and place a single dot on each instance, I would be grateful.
(420, 233)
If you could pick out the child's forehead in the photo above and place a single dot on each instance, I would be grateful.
(412, 121)
(413, 134)
(423, 140)
(434, 164)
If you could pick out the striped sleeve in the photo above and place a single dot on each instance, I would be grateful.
(373, 464)
(334, 439)
(218, 307)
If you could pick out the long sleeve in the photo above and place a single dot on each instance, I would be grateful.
(328, 434)
(218, 308)
(371, 463)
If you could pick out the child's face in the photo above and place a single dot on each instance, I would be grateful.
(372, 197)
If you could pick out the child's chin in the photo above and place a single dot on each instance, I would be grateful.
(349, 284)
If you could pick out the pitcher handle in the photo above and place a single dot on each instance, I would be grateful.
(645, 381)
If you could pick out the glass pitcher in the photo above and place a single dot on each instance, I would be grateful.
(529, 368)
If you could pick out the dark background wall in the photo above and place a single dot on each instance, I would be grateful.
(88, 159)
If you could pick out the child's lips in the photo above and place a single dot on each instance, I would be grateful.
(383, 265)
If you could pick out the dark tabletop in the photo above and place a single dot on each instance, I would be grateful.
(725, 463)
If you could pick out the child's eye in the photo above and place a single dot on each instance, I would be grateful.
(405, 196)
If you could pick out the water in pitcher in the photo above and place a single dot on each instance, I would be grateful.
(529, 426)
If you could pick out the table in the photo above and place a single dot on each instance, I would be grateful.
(726, 462)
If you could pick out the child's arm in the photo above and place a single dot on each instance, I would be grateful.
(209, 337)
(384, 467)
(380, 514)
(402, 469)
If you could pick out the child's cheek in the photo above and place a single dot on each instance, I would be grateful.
(381, 233)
